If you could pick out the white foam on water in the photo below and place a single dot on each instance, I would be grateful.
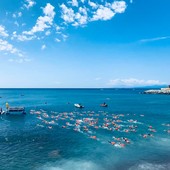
(150, 166)
(163, 142)
(71, 165)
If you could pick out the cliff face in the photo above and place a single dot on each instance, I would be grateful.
(162, 91)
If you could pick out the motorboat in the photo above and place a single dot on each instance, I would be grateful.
(103, 105)
(1, 111)
(78, 105)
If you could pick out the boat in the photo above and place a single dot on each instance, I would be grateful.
(78, 105)
(1, 111)
(103, 105)
(16, 110)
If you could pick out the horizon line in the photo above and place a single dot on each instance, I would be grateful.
(137, 87)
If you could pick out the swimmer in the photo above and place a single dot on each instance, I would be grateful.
(168, 131)
(93, 137)
(150, 134)
(145, 136)
(126, 140)
(120, 145)
(112, 143)
(126, 130)
(150, 127)
(152, 130)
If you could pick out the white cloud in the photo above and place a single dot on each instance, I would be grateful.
(19, 60)
(81, 17)
(77, 19)
(119, 6)
(58, 28)
(92, 4)
(64, 37)
(47, 33)
(16, 23)
(22, 37)
(74, 3)
(43, 47)
(67, 13)
(103, 13)
(43, 22)
(7, 47)
(29, 3)
(3, 32)
(19, 14)
(57, 40)
(92, 12)
(73, 12)
(83, 1)
(49, 10)
(15, 15)
(155, 39)
(132, 82)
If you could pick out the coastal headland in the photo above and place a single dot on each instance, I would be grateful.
(160, 91)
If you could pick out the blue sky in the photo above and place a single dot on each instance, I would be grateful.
(84, 43)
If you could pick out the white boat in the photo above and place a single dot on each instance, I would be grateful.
(78, 105)
(1, 111)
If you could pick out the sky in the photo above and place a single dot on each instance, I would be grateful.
(84, 43)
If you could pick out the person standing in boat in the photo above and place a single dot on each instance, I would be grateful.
(7, 106)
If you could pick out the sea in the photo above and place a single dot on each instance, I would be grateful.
(132, 133)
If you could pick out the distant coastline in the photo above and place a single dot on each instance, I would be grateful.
(160, 91)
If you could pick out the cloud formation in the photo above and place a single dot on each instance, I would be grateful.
(17, 55)
(103, 13)
(29, 3)
(43, 47)
(92, 12)
(43, 22)
(3, 32)
(154, 39)
(74, 13)
(9, 48)
(132, 82)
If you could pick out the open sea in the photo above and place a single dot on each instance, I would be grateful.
(132, 133)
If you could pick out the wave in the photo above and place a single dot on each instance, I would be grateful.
(71, 164)
(150, 166)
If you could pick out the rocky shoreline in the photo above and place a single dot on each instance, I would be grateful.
(161, 91)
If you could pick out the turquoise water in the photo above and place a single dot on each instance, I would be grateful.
(55, 135)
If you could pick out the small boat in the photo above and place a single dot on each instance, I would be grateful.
(1, 111)
(103, 105)
(78, 106)
(16, 110)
